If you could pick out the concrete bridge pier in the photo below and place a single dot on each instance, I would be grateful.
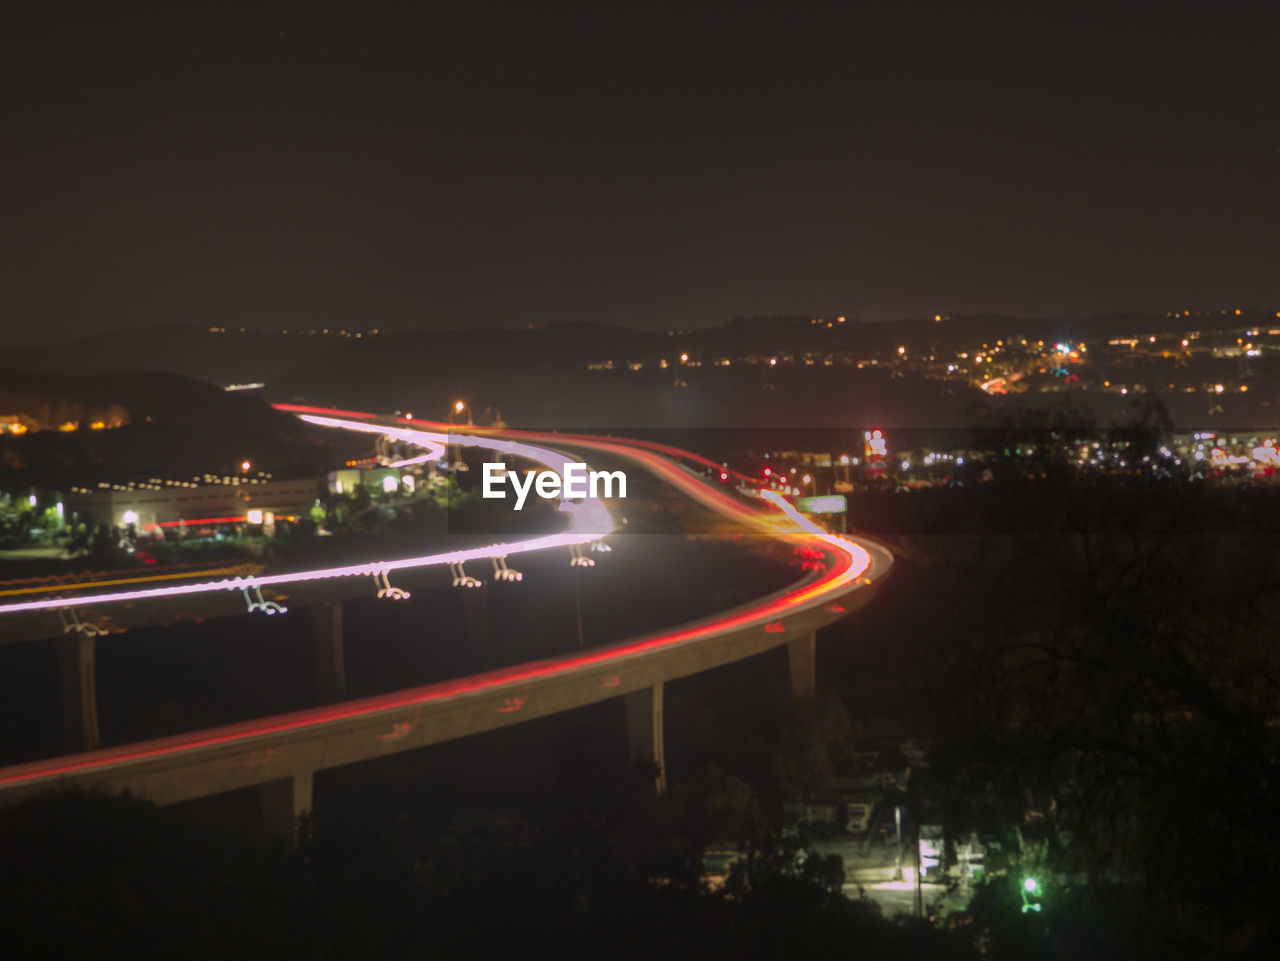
(644, 730)
(79, 691)
(331, 670)
(802, 659)
(475, 612)
(284, 802)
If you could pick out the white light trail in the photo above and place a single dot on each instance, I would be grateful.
(590, 519)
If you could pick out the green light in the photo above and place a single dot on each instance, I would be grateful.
(1030, 886)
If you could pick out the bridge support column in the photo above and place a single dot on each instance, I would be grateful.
(283, 803)
(475, 612)
(79, 692)
(331, 670)
(801, 656)
(644, 730)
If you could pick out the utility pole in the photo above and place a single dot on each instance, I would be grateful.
(577, 602)
(897, 830)
(919, 892)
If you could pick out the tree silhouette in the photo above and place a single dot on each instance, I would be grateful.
(1119, 679)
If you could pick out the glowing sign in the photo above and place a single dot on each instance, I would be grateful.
(1266, 454)
(825, 504)
(875, 443)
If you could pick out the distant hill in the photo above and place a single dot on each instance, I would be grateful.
(244, 357)
(541, 379)
(544, 377)
(158, 396)
(177, 427)
(220, 358)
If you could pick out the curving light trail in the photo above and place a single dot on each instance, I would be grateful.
(590, 521)
(788, 523)
(850, 564)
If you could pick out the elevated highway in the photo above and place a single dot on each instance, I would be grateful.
(282, 753)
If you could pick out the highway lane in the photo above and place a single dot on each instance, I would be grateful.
(852, 560)
(205, 762)
(26, 587)
(590, 522)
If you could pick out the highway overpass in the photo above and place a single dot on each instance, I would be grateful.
(281, 754)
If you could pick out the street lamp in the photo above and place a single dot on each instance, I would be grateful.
(1031, 889)
(458, 463)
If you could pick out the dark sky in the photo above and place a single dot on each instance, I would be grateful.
(476, 164)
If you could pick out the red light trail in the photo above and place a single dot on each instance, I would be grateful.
(851, 562)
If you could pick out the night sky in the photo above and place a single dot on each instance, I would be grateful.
(482, 165)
